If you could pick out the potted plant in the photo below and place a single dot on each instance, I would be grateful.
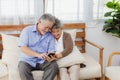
(112, 25)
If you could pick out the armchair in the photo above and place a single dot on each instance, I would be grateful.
(112, 72)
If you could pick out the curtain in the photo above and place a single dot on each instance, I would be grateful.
(76, 10)
(99, 9)
(20, 11)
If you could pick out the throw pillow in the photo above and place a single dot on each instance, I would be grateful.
(10, 42)
(72, 32)
(11, 51)
(75, 57)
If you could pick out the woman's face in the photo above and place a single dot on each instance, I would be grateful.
(57, 33)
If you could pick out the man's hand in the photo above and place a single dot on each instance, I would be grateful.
(48, 58)
(42, 56)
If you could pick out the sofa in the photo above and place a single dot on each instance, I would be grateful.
(11, 54)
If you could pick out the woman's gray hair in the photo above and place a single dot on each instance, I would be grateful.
(47, 16)
(57, 24)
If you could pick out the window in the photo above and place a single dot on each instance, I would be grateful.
(24, 7)
(20, 11)
(76, 10)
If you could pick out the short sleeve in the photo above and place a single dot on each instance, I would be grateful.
(23, 41)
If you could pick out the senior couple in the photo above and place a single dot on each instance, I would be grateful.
(37, 41)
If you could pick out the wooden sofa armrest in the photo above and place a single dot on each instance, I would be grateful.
(100, 51)
(111, 56)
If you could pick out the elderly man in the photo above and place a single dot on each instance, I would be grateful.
(35, 43)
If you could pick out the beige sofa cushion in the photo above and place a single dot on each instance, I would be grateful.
(11, 51)
(37, 75)
(92, 68)
(13, 73)
(113, 72)
(3, 70)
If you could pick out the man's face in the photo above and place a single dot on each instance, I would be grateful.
(57, 33)
(44, 26)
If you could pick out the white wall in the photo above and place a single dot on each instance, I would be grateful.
(110, 43)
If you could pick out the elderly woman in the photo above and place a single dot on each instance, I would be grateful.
(64, 46)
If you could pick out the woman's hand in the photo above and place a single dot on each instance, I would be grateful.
(58, 55)
(51, 58)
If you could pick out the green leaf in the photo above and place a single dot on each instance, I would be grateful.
(107, 14)
(116, 34)
(110, 5)
(118, 5)
(114, 31)
(110, 21)
(107, 26)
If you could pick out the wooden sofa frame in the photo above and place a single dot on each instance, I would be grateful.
(81, 43)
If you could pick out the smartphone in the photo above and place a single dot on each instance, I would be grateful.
(51, 54)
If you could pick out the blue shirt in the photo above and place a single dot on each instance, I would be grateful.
(32, 39)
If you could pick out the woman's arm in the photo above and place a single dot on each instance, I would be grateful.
(67, 44)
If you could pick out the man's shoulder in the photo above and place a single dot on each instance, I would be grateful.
(29, 28)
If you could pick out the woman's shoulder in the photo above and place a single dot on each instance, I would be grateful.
(65, 34)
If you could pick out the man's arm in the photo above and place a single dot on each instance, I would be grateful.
(29, 52)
